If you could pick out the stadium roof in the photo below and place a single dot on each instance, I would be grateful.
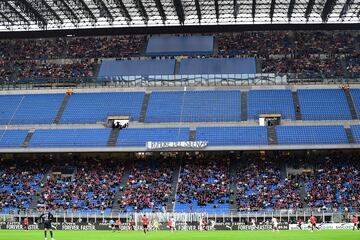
(20, 15)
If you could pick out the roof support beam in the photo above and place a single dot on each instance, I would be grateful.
(328, 8)
(272, 9)
(5, 20)
(85, 10)
(345, 8)
(104, 10)
(179, 11)
(160, 8)
(236, 9)
(69, 13)
(120, 4)
(11, 13)
(253, 9)
(291, 9)
(309, 9)
(141, 9)
(47, 11)
(217, 14)
(32, 13)
(198, 10)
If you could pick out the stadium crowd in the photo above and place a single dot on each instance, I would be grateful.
(204, 181)
(149, 186)
(260, 185)
(91, 186)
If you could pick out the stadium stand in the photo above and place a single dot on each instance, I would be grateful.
(90, 187)
(203, 186)
(195, 66)
(355, 94)
(232, 136)
(270, 102)
(311, 135)
(323, 104)
(194, 106)
(12, 138)
(114, 68)
(355, 129)
(148, 188)
(95, 107)
(180, 45)
(137, 137)
(50, 138)
(29, 108)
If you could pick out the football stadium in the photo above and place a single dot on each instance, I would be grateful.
(180, 119)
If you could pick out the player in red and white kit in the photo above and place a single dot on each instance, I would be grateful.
(300, 223)
(313, 223)
(26, 223)
(145, 223)
(131, 224)
(355, 221)
(169, 224)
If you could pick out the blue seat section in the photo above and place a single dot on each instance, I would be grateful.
(218, 66)
(111, 68)
(232, 136)
(29, 108)
(137, 137)
(95, 107)
(46, 138)
(12, 138)
(270, 101)
(355, 93)
(209, 208)
(311, 135)
(355, 129)
(323, 104)
(194, 106)
(180, 45)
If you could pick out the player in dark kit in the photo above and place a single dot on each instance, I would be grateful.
(46, 218)
(299, 223)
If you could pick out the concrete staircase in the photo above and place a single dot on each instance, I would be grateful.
(234, 166)
(244, 110)
(349, 135)
(61, 109)
(258, 65)
(113, 137)
(36, 197)
(170, 205)
(296, 104)
(192, 135)
(351, 104)
(177, 67)
(272, 138)
(144, 107)
(122, 185)
(27, 139)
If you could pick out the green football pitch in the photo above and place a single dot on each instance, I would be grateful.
(166, 235)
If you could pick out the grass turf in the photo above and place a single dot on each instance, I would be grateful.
(191, 235)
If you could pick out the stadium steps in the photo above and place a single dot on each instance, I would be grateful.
(234, 167)
(27, 138)
(296, 103)
(61, 109)
(170, 205)
(114, 134)
(258, 65)
(119, 193)
(177, 67)
(349, 135)
(272, 138)
(192, 135)
(302, 192)
(36, 197)
(244, 106)
(216, 46)
(144, 107)
(351, 104)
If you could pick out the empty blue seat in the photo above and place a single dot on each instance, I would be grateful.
(12, 138)
(270, 102)
(29, 108)
(232, 136)
(355, 94)
(323, 104)
(355, 129)
(46, 138)
(137, 137)
(311, 135)
(95, 107)
(194, 106)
